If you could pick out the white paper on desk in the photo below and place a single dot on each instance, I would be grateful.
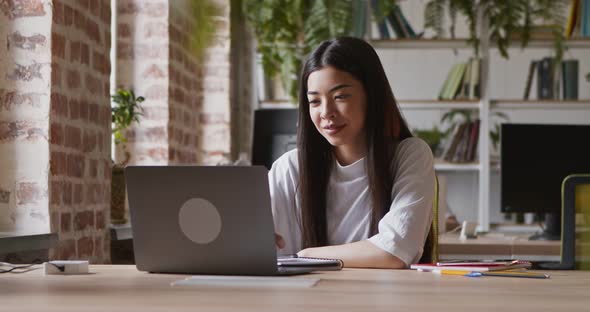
(246, 281)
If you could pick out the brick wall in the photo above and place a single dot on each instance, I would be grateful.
(143, 64)
(242, 83)
(25, 72)
(184, 88)
(187, 107)
(215, 116)
(80, 129)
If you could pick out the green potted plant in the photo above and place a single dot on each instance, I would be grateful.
(124, 112)
(505, 19)
(288, 30)
(204, 15)
(432, 137)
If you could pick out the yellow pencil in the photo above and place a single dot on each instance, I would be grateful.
(451, 272)
(507, 273)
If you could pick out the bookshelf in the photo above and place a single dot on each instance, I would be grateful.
(540, 104)
(420, 43)
(461, 43)
(436, 104)
(484, 171)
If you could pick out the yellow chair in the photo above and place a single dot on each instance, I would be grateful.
(430, 253)
(575, 222)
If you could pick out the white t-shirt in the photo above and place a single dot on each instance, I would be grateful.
(402, 231)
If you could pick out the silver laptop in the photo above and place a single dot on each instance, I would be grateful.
(203, 220)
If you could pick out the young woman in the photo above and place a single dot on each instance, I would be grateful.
(358, 187)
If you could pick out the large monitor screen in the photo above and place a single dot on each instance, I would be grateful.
(275, 133)
(535, 159)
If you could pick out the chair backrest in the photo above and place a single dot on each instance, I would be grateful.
(575, 202)
(430, 253)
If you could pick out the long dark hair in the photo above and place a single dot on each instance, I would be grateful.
(384, 129)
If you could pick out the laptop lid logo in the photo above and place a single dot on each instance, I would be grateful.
(199, 221)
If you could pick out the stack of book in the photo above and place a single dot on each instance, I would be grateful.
(462, 145)
(511, 268)
(577, 23)
(462, 81)
(549, 82)
(395, 23)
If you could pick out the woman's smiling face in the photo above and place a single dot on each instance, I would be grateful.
(337, 107)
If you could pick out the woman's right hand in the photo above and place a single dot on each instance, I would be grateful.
(279, 241)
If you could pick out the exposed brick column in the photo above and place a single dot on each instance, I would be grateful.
(242, 84)
(184, 88)
(80, 129)
(187, 107)
(215, 116)
(25, 72)
(143, 64)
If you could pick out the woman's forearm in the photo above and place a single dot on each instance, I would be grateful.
(361, 254)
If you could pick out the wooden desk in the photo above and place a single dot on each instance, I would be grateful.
(123, 288)
(496, 246)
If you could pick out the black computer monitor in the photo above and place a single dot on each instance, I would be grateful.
(275, 132)
(535, 158)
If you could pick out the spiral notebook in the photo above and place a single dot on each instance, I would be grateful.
(318, 264)
(481, 266)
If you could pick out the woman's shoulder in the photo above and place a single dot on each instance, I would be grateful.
(413, 150)
(288, 162)
(414, 144)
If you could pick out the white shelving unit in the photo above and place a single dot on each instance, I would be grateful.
(485, 105)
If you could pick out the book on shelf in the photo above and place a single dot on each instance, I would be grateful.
(585, 20)
(462, 145)
(458, 157)
(551, 78)
(446, 82)
(452, 83)
(462, 81)
(577, 23)
(393, 23)
(529, 79)
(473, 141)
(381, 24)
(449, 142)
(397, 26)
(474, 78)
(454, 143)
(405, 23)
(569, 72)
(545, 82)
(359, 18)
(573, 18)
(463, 93)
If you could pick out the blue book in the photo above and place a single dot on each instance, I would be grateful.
(569, 71)
(359, 7)
(396, 25)
(585, 28)
(405, 23)
(381, 25)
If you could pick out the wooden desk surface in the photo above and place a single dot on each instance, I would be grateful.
(497, 246)
(123, 288)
